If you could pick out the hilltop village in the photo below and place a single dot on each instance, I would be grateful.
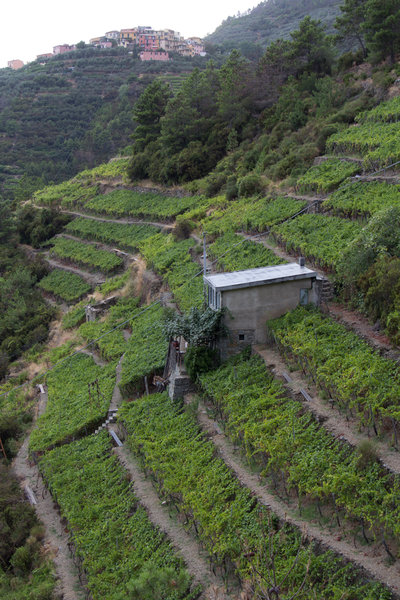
(152, 45)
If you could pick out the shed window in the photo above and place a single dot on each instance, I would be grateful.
(214, 298)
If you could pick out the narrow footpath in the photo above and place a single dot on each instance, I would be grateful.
(194, 557)
(93, 279)
(69, 585)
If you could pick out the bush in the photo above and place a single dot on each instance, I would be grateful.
(21, 560)
(231, 191)
(215, 181)
(183, 228)
(250, 185)
(200, 359)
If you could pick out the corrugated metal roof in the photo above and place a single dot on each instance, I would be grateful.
(260, 276)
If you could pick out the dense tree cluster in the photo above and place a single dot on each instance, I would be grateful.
(182, 137)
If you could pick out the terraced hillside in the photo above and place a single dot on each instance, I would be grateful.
(286, 463)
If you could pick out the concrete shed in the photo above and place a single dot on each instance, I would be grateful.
(255, 296)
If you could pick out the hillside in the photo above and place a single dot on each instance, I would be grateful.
(71, 112)
(186, 452)
(277, 473)
(271, 20)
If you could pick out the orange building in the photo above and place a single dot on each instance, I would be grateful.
(15, 64)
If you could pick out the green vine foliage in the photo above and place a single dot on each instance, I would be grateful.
(346, 368)
(198, 327)
(285, 439)
(229, 521)
(113, 536)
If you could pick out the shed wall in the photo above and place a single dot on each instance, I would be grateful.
(250, 308)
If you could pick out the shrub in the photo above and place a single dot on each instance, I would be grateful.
(182, 230)
(21, 560)
(200, 359)
(231, 188)
(250, 185)
(215, 181)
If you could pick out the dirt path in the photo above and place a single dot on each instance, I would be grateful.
(96, 357)
(363, 328)
(126, 220)
(369, 559)
(56, 537)
(340, 426)
(185, 545)
(310, 199)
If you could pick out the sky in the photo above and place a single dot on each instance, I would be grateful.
(34, 27)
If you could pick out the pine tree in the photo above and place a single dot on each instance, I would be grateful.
(350, 23)
(382, 27)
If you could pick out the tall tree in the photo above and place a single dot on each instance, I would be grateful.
(236, 95)
(350, 24)
(312, 49)
(147, 113)
(382, 27)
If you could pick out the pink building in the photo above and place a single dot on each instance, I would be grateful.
(15, 64)
(147, 55)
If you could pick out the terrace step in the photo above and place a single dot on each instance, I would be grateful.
(111, 418)
(326, 289)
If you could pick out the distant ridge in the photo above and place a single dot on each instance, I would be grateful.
(274, 19)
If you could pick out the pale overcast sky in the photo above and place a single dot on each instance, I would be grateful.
(31, 27)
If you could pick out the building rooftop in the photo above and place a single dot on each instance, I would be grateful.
(260, 276)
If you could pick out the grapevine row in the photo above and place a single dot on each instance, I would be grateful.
(231, 524)
(117, 544)
(85, 255)
(288, 442)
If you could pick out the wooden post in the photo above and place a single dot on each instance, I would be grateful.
(2, 449)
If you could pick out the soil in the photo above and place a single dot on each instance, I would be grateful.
(370, 559)
(56, 536)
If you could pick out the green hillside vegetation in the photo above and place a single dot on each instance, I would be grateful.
(326, 176)
(232, 253)
(285, 438)
(126, 236)
(363, 199)
(71, 411)
(269, 21)
(25, 571)
(24, 316)
(74, 110)
(84, 254)
(64, 285)
(231, 524)
(340, 362)
(110, 528)
(223, 149)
